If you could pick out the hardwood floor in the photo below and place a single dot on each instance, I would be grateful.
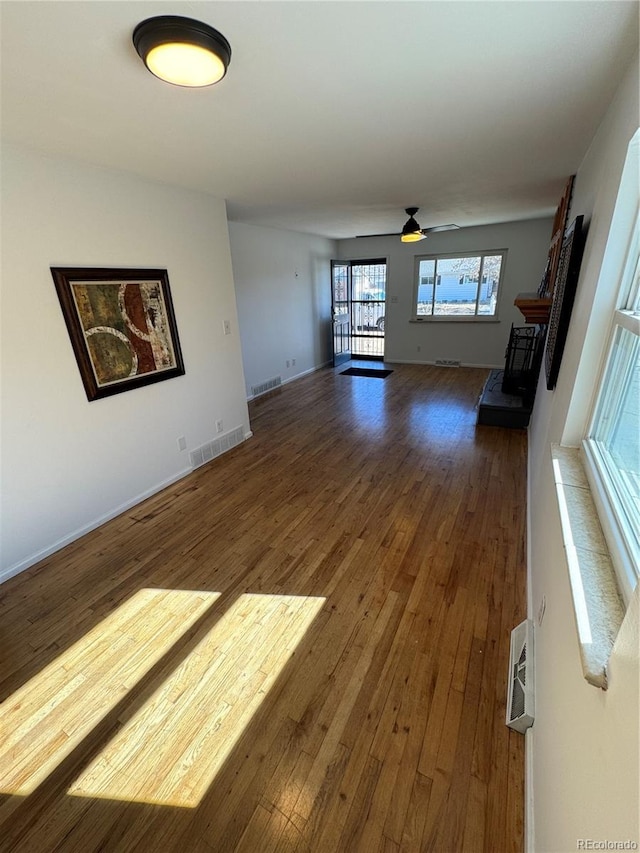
(302, 646)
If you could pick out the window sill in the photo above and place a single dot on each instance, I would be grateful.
(598, 607)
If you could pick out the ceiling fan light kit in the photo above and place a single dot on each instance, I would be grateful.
(182, 51)
(411, 232)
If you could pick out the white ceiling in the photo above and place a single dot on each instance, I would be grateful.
(334, 116)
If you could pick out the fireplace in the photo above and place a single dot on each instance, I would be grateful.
(522, 360)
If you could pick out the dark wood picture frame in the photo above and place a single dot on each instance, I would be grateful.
(122, 327)
(563, 298)
(548, 283)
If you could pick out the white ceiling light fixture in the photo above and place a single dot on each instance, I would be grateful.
(182, 51)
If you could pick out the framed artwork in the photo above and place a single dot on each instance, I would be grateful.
(563, 297)
(547, 285)
(122, 327)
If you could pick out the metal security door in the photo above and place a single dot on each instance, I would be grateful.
(341, 311)
(368, 301)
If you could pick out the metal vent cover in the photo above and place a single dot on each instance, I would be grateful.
(520, 696)
(206, 452)
(263, 387)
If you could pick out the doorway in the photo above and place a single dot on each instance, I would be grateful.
(359, 301)
(341, 312)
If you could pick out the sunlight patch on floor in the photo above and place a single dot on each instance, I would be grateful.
(46, 718)
(172, 749)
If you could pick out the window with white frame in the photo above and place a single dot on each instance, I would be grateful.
(461, 286)
(612, 442)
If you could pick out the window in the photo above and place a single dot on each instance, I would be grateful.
(612, 444)
(466, 285)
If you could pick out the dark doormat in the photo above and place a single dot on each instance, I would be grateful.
(366, 371)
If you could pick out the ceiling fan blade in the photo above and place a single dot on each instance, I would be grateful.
(435, 228)
(431, 230)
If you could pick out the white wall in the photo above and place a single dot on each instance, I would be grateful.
(583, 748)
(481, 344)
(283, 290)
(67, 464)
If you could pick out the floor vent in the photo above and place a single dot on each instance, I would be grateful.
(269, 385)
(520, 693)
(202, 455)
(448, 362)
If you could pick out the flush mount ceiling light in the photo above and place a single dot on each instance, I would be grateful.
(411, 231)
(182, 51)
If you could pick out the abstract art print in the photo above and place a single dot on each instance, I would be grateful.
(122, 327)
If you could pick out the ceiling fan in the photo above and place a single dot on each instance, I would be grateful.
(411, 231)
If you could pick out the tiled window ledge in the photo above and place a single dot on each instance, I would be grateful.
(598, 607)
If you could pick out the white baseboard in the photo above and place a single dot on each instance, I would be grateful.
(529, 835)
(304, 373)
(297, 376)
(433, 364)
(21, 566)
(25, 564)
(529, 827)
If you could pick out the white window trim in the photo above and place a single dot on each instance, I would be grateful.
(591, 545)
(614, 524)
(619, 533)
(458, 318)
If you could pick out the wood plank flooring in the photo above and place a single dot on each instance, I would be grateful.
(302, 646)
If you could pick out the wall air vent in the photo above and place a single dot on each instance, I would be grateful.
(269, 385)
(216, 447)
(520, 692)
(448, 362)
